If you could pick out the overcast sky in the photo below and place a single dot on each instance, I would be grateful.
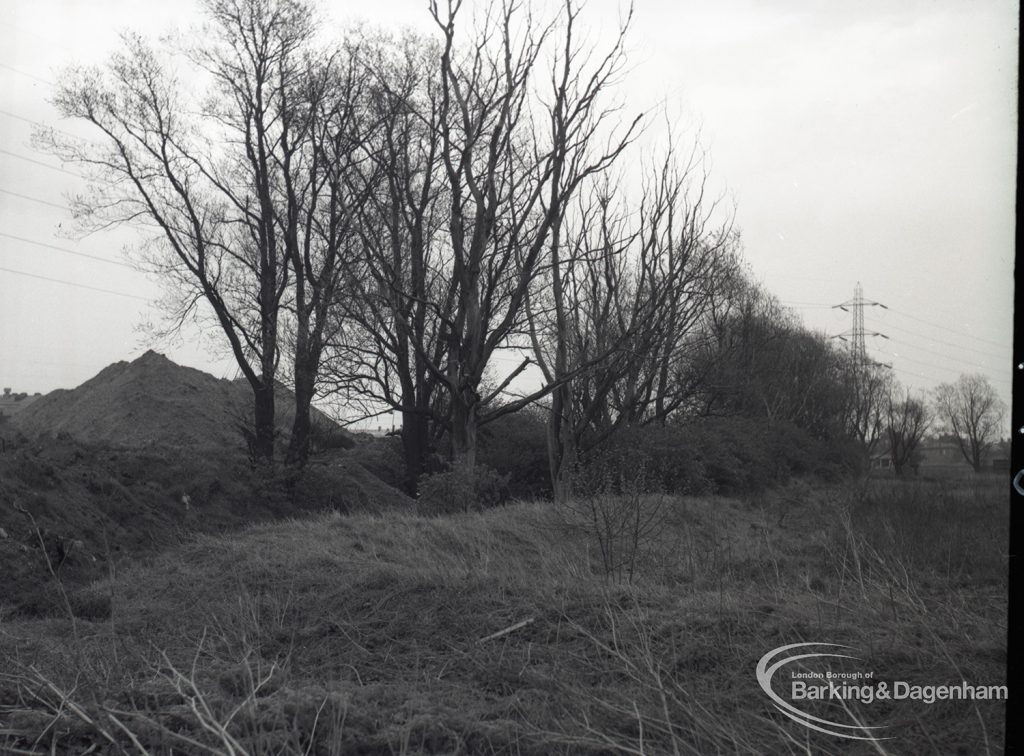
(871, 141)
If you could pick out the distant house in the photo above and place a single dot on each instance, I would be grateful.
(941, 453)
(12, 404)
(379, 431)
(881, 460)
(941, 457)
(999, 456)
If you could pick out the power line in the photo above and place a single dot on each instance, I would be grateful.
(911, 372)
(930, 365)
(923, 364)
(58, 363)
(73, 283)
(941, 354)
(26, 73)
(806, 305)
(947, 328)
(66, 250)
(933, 309)
(34, 199)
(135, 223)
(49, 38)
(40, 162)
(803, 305)
(916, 334)
(9, 114)
(33, 122)
(905, 371)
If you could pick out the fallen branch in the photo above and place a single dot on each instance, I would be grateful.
(507, 630)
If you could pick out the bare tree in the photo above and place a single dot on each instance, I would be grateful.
(907, 420)
(329, 173)
(867, 399)
(387, 353)
(741, 359)
(765, 363)
(509, 181)
(476, 187)
(207, 173)
(972, 411)
(624, 307)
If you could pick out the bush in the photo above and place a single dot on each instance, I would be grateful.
(325, 435)
(646, 459)
(727, 455)
(738, 455)
(624, 527)
(383, 457)
(516, 447)
(462, 489)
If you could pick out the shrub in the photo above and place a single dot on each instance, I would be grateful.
(623, 527)
(325, 435)
(728, 455)
(462, 489)
(646, 459)
(90, 605)
(516, 447)
(382, 456)
(736, 454)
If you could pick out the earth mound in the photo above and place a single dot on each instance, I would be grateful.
(145, 455)
(153, 401)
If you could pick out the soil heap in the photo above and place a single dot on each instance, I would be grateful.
(154, 401)
(143, 456)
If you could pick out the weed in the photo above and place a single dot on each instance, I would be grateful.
(506, 631)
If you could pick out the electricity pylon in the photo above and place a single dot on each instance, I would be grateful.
(856, 336)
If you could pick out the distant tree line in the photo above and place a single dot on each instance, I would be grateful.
(380, 218)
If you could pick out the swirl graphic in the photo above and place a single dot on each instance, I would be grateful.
(764, 678)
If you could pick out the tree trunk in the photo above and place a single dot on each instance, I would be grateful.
(561, 446)
(562, 476)
(298, 445)
(263, 412)
(464, 427)
(415, 433)
(264, 409)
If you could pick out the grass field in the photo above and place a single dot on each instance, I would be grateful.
(621, 625)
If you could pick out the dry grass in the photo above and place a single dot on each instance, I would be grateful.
(363, 634)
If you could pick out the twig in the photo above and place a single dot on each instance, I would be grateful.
(129, 733)
(507, 630)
